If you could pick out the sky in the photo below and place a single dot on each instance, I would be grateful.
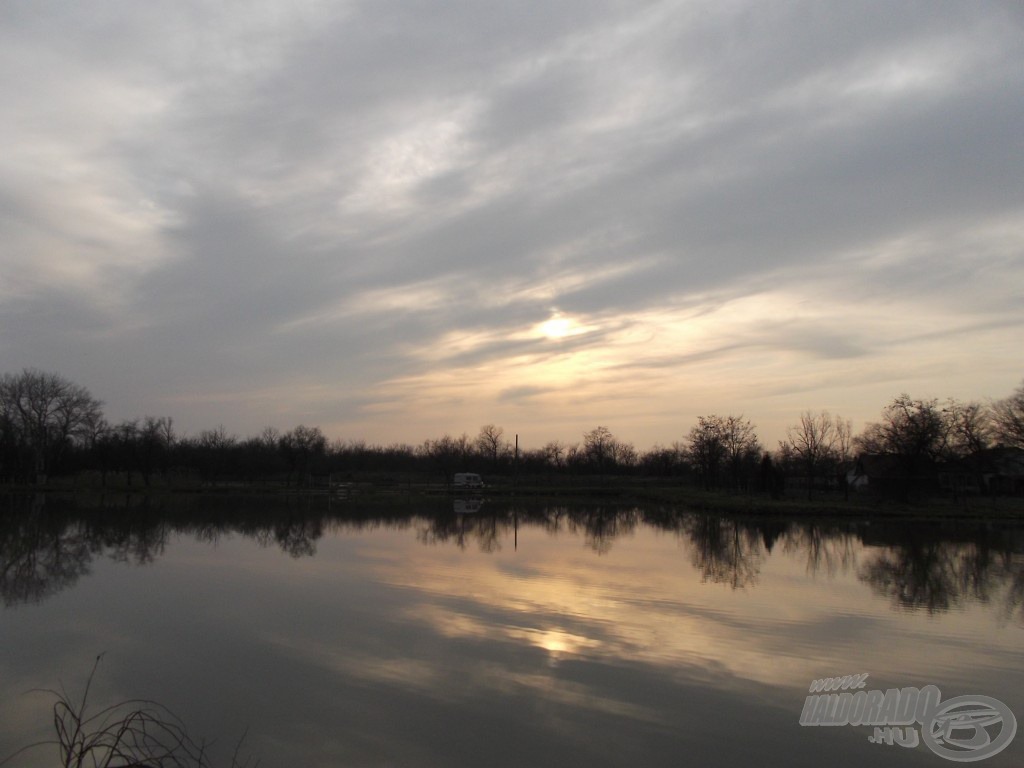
(395, 219)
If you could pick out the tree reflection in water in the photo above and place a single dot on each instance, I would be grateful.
(726, 550)
(936, 568)
(41, 553)
(48, 543)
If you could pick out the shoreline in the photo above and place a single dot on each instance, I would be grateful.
(630, 492)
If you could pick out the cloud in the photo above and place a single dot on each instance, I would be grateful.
(522, 394)
(371, 198)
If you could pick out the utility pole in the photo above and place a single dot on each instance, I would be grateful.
(515, 470)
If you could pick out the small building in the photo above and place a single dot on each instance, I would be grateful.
(1004, 471)
(885, 474)
(992, 471)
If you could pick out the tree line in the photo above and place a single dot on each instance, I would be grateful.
(51, 426)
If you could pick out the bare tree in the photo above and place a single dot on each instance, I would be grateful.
(554, 454)
(626, 455)
(269, 437)
(575, 456)
(44, 412)
(662, 461)
(913, 432)
(1008, 419)
(490, 442)
(844, 452)
(968, 429)
(155, 441)
(447, 453)
(723, 448)
(844, 439)
(910, 429)
(706, 450)
(815, 444)
(303, 448)
(742, 448)
(217, 439)
(600, 446)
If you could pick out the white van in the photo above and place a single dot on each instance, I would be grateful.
(467, 480)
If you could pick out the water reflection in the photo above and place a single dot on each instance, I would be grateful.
(48, 543)
(422, 633)
(726, 551)
(467, 506)
(933, 569)
(41, 554)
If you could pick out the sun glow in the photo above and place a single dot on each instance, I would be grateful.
(558, 326)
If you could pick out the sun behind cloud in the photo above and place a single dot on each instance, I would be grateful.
(559, 326)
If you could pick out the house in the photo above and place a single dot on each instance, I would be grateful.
(1004, 471)
(892, 475)
(992, 471)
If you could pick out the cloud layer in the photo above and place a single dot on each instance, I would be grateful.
(395, 219)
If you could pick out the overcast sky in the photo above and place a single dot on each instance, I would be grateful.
(399, 218)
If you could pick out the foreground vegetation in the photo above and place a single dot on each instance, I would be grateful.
(136, 733)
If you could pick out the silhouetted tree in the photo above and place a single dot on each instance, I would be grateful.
(42, 412)
(155, 441)
(447, 453)
(212, 450)
(626, 456)
(600, 447)
(1008, 419)
(968, 429)
(724, 449)
(706, 450)
(303, 449)
(912, 429)
(742, 450)
(660, 461)
(772, 479)
(816, 445)
(491, 444)
(554, 454)
(914, 432)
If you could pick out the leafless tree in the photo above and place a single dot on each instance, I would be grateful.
(44, 412)
(217, 439)
(723, 446)
(1008, 419)
(968, 428)
(913, 432)
(447, 453)
(600, 446)
(554, 454)
(706, 451)
(490, 442)
(742, 448)
(626, 455)
(302, 447)
(269, 437)
(155, 441)
(911, 429)
(817, 444)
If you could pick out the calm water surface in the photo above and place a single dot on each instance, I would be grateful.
(415, 635)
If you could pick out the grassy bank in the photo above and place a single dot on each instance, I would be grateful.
(584, 490)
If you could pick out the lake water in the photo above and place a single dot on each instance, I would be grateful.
(350, 634)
